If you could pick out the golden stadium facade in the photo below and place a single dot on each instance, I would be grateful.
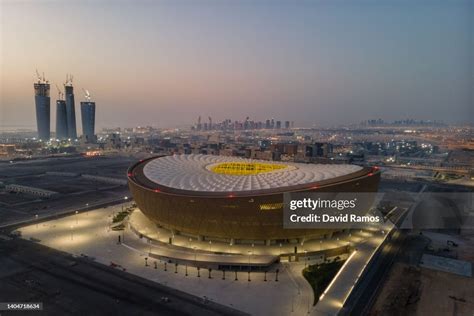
(235, 199)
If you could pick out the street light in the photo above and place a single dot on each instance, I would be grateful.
(125, 198)
(36, 217)
(210, 245)
(250, 253)
(76, 216)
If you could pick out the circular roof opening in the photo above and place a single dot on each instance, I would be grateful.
(235, 168)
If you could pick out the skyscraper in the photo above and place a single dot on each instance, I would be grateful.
(88, 120)
(70, 108)
(61, 120)
(43, 108)
(267, 124)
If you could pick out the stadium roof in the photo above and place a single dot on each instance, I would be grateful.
(205, 173)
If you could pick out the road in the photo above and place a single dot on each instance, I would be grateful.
(69, 285)
(57, 214)
(347, 278)
(364, 292)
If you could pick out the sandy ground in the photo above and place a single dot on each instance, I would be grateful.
(415, 291)
(463, 251)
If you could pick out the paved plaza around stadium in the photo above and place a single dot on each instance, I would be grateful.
(89, 234)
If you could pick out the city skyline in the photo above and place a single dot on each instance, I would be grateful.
(171, 63)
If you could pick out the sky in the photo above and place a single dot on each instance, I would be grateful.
(164, 63)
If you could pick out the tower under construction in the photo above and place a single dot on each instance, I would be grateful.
(43, 107)
(61, 117)
(70, 108)
(88, 119)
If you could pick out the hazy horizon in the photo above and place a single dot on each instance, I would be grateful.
(164, 63)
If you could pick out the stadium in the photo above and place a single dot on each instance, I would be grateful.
(236, 200)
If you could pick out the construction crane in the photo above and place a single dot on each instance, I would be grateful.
(87, 95)
(60, 93)
(41, 78)
(38, 76)
(69, 78)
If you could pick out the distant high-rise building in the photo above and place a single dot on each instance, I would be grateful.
(88, 120)
(61, 117)
(199, 126)
(267, 124)
(43, 108)
(246, 123)
(70, 109)
(278, 124)
(287, 124)
(61, 120)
